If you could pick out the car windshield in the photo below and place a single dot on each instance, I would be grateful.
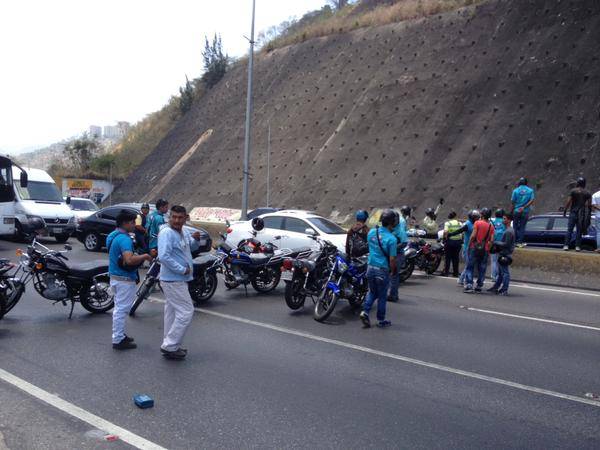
(326, 226)
(39, 190)
(82, 205)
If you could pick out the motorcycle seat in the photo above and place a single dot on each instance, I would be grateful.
(360, 262)
(204, 261)
(259, 258)
(88, 269)
(295, 252)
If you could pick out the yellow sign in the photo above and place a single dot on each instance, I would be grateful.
(79, 184)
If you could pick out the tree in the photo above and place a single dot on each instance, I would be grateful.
(215, 61)
(81, 151)
(338, 4)
(186, 96)
(103, 163)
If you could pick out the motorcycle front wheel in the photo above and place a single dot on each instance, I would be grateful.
(433, 265)
(142, 294)
(12, 296)
(266, 279)
(407, 272)
(202, 291)
(294, 298)
(325, 305)
(99, 297)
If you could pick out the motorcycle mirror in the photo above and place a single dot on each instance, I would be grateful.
(227, 223)
(68, 247)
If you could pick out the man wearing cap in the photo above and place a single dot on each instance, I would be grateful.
(522, 198)
(140, 228)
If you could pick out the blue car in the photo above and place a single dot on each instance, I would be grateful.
(550, 230)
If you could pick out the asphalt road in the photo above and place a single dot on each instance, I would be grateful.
(261, 376)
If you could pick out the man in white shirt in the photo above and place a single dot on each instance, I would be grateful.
(596, 210)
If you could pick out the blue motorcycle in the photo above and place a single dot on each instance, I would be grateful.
(347, 280)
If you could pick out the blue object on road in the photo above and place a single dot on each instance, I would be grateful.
(143, 401)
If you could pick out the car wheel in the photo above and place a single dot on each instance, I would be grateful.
(62, 238)
(91, 242)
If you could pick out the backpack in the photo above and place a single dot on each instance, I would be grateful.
(358, 245)
(480, 249)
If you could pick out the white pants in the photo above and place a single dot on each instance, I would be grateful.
(124, 296)
(179, 311)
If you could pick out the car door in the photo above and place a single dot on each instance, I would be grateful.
(555, 237)
(107, 221)
(295, 229)
(536, 231)
(273, 227)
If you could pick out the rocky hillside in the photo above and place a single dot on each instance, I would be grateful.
(458, 105)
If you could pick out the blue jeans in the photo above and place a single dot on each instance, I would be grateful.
(463, 274)
(503, 278)
(395, 279)
(495, 265)
(378, 280)
(519, 222)
(598, 230)
(476, 261)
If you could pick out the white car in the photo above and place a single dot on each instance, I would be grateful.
(293, 228)
(82, 207)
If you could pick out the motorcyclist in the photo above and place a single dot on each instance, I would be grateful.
(499, 227)
(453, 244)
(467, 229)
(356, 239)
(429, 223)
(401, 235)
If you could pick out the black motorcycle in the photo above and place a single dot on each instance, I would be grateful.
(11, 288)
(306, 275)
(201, 288)
(55, 279)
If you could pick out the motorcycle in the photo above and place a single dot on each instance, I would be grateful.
(429, 256)
(347, 279)
(305, 275)
(11, 289)
(57, 280)
(201, 288)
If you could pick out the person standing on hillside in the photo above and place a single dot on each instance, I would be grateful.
(479, 248)
(154, 222)
(356, 239)
(579, 203)
(175, 248)
(522, 198)
(596, 209)
(499, 227)
(454, 244)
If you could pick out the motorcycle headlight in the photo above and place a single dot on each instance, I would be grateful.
(342, 267)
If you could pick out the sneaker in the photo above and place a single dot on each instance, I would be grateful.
(384, 323)
(493, 289)
(176, 354)
(392, 299)
(124, 345)
(577, 249)
(503, 293)
(128, 339)
(468, 290)
(478, 289)
(364, 318)
(163, 351)
(566, 248)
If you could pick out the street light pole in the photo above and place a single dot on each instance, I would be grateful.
(269, 166)
(248, 120)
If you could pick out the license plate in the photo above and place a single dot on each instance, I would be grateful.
(56, 230)
(286, 275)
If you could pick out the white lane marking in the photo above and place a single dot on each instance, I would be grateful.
(79, 413)
(540, 288)
(394, 356)
(535, 319)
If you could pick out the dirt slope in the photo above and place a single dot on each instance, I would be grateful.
(458, 105)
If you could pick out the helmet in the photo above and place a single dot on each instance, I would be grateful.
(388, 218)
(499, 213)
(522, 181)
(145, 206)
(406, 210)
(430, 212)
(396, 217)
(362, 215)
(34, 224)
(474, 216)
(452, 215)
(581, 182)
(257, 224)
(486, 213)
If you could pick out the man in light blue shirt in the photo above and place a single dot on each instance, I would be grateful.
(382, 262)
(522, 198)
(175, 248)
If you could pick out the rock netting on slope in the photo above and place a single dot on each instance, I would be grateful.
(458, 105)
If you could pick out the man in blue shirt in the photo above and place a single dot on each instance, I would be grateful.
(401, 235)
(382, 262)
(467, 229)
(176, 270)
(154, 223)
(499, 227)
(123, 276)
(522, 198)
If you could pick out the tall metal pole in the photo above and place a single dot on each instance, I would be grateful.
(110, 182)
(269, 166)
(248, 120)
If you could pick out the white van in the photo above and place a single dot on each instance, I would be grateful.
(41, 198)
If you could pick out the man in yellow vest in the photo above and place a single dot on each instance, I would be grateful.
(453, 244)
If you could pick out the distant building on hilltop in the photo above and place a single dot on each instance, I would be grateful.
(116, 132)
(95, 131)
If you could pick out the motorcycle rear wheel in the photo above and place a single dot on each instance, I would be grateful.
(98, 298)
(142, 294)
(433, 266)
(266, 280)
(406, 274)
(202, 292)
(10, 297)
(293, 298)
(325, 305)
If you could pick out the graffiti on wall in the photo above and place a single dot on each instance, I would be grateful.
(95, 190)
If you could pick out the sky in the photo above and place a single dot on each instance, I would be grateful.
(69, 64)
